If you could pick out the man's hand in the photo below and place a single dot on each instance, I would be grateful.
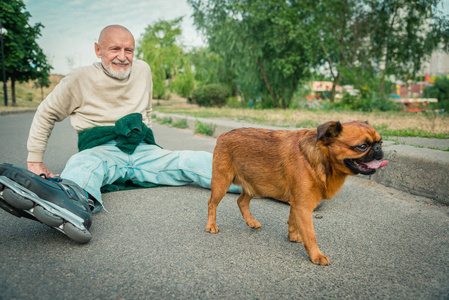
(39, 168)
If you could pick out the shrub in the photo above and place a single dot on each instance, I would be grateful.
(365, 102)
(165, 120)
(181, 124)
(210, 95)
(439, 90)
(206, 129)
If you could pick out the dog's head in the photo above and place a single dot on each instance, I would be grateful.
(354, 147)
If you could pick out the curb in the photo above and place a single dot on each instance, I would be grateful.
(15, 111)
(418, 171)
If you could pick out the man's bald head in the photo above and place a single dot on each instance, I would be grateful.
(111, 30)
(115, 47)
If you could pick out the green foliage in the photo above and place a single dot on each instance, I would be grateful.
(209, 66)
(210, 95)
(234, 102)
(184, 83)
(265, 44)
(169, 65)
(377, 38)
(24, 59)
(165, 120)
(181, 124)
(265, 48)
(206, 129)
(367, 102)
(407, 132)
(40, 83)
(439, 90)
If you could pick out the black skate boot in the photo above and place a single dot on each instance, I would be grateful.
(56, 202)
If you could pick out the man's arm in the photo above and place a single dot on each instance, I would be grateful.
(149, 109)
(55, 107)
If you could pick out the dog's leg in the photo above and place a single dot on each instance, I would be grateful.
(293, 230)
(218, 191)
(243, 203)
(304, 220)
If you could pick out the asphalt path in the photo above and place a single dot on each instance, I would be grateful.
(152, 243)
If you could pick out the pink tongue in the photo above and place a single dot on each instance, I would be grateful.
(375, 164)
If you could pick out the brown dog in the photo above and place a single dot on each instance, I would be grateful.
(299, 167)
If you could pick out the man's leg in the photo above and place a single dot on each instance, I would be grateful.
(174, 168)
(93, 168)
(58, 203)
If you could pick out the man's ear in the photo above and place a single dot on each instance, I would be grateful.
(328, 130)
(97, 50)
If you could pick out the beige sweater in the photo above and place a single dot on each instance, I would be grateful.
(91, 98)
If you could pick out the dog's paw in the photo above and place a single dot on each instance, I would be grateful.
(320, 259)
(294, 236)
(253, 223)
(212, 228)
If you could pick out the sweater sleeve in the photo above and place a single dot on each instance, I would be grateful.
(60, 103)
(149, 109)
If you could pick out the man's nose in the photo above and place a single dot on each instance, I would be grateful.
(121, 55)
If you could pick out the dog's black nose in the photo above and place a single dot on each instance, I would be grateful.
(378, 152)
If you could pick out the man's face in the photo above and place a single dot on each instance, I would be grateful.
(116, 50)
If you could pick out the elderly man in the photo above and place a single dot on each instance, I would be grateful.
(109, 104)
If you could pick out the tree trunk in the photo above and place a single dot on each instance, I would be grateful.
(13, 91)
(262, 70)
(334, 84)
(42, 93)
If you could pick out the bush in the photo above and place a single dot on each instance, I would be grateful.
(365, 102)
(439, 90)
(165, 120)
(210, 95)
(206, 129)
(181, 124)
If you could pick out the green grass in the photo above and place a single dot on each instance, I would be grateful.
(165, 120)
(181, 124)
(206, 129)
(387, 123)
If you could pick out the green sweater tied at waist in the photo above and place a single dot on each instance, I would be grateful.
(129, 131)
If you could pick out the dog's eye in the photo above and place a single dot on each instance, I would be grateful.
(362, 147)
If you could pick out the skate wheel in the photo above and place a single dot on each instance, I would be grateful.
(79, 236)
(7, 207)
(16, 200)
(47, 217)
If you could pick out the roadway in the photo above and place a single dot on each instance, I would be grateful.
(152, 244)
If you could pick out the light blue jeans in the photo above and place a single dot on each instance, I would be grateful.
(102, 165)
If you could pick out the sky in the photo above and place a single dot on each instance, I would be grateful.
(72, 26)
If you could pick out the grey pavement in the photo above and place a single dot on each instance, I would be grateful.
(383, 243)
(415, 166)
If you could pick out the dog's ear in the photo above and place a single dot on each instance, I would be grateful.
(328, 130)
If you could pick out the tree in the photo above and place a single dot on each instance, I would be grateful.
(24, 59)
(368, 39)
(42, 82)
(267, 45)
(158, 47)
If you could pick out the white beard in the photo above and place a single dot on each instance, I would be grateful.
(120, 75)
